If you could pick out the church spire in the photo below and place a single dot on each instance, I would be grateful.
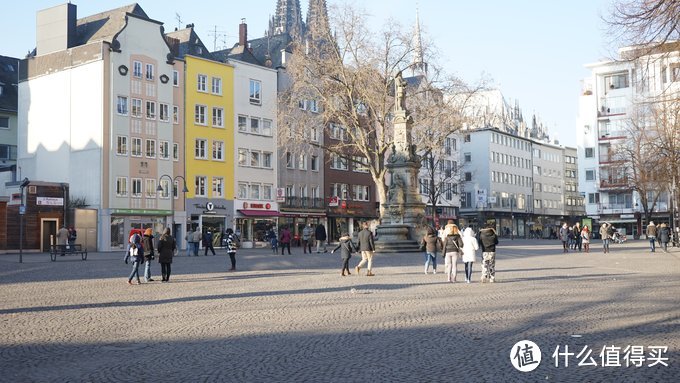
(419, 66)
(287, 19)
(318, 27)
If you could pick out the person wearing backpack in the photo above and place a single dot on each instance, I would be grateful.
(231, 248)
(166, 250)
(453, 245)
(346, 247)
(136, 253)
(488, 240)
(149, 254)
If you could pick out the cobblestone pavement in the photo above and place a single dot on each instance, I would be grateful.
(295, 319)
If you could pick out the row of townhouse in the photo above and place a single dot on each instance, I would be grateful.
(148, 129)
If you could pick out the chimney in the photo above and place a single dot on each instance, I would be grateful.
(56, 29)
(243, 33)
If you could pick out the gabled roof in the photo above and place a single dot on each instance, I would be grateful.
(271, 47)
(9, 75)
(105, 25)
(188, 43)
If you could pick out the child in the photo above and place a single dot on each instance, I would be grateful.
(273, 240)
(347, 248)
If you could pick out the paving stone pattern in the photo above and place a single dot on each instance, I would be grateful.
(295, 319)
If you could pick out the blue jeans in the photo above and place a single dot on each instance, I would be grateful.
(652, 243)
(430, 257)
(135, 270)
(195, 246)
(189, 249)
(147, 270)
(605, 244)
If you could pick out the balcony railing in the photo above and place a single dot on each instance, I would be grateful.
(620, 183)
(303, 203)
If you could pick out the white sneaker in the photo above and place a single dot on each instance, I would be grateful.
(425, 272)
(434, 271)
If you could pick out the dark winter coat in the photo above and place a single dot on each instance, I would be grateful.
(285, 236)
(346, 247)
(664, 234)
(450, 244)
(488, 240)
(320, 233)
(432, 243)
(366, 240)
(166, 249)
(147, 243)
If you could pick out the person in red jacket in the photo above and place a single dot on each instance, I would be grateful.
(284, 239)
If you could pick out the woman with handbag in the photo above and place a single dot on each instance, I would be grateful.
(166, 250)
(346, 247)
(453, 245)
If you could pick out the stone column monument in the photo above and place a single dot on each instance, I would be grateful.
(404, 211)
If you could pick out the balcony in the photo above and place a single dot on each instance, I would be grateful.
(614, 183)
(303, 203)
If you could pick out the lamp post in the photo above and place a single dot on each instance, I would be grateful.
(512, 218)
(22, 211)
(172, 201)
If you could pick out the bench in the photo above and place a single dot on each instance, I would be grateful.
(75, 249)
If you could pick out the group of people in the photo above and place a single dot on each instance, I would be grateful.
(310, 235)
(195, 238)
(66, 238)
(365, 245)
(661, 233)
(575, 237)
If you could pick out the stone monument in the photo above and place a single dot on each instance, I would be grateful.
(403, 211)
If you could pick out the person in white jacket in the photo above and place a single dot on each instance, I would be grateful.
(470, 247)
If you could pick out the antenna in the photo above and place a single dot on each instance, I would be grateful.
(217, 34)
(179, 20)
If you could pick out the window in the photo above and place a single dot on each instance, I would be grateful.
(616, 81)
(151, 110)
(218, 151)
(136, 187)
(360, 164)
(593, 198)
(217, 118)
(200, 186)
(360, 192)
(136, 107)
(149, 74)
(136, 149)
(150, 187)
(121, 145)
(468, 176)
(255, 159)
(175, 114)
(255, 125)
(217, 187)
(4, 122)
(175, 78)
(314, 133)
(466, 200)
(165, 186)
(302, 162)
(216, 85)
(590, 175)
(242, 157)
(150, 148)
(267, 192)
(267, 160)
(339, 190)
(121, 187)
(303, 191)
(590, 152)
(450, 145)
(164, 150)
(202, 80)
(466, 138)
(255, 92)
(163, 114)
(199, 115)
(137, 69)
(122, 105)
(255, 191)
(338, 163)
(242, 123)
(337, 132)
(289, 161)
(200, 149)
(242, 191)
(468, 157)
(175, 151)
(315, 163)
(267, 127)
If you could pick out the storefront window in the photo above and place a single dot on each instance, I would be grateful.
(117, 232)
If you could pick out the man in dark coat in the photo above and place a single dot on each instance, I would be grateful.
(320, 236)
(488, 240)
(367, 247)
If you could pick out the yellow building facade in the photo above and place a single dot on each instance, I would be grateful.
(209, 144)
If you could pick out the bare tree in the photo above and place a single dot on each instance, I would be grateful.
(350, 74)
(651, 23)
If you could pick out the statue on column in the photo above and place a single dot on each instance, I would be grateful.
(400, 91)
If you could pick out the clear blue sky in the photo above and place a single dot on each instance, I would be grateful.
(533, 50)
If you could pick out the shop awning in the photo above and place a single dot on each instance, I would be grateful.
(258, 213)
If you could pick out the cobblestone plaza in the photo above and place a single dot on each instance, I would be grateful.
(295, 319)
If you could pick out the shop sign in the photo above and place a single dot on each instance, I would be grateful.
(280, 195)
(333, 201)
(141, 212)
(266, 206)
(49, 201)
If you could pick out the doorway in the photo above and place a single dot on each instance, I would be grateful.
(48, 233)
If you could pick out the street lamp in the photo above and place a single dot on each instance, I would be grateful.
(22, 211)
(172, 202)
(512, 218)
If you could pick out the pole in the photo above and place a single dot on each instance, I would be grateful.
(512, 219)
(21, 235)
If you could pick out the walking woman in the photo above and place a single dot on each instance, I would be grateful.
(452, 247)
(231, 248)
(431, 242)
(346, 247)
(605, 231)
(585, 238)
(470, 247)
(137, 256)
(166, 249)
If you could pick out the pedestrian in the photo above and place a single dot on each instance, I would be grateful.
(577, 237)
(208, 243)
(273, 240)
(605, 231)
(651, 235)
(189, 240)
(307, 234)
(452, 247)
(470, 247)
(488, 239)
(149, 254)
(231, 248)
(284, 239)
(136, 254)
(664, 236)
(431, 243)
(62, 239)
(320, 236)
(196, 240)
(72, 236)
(346, 247)
(585, 238)
(367, 248)
(166, 250)
(564, 237)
